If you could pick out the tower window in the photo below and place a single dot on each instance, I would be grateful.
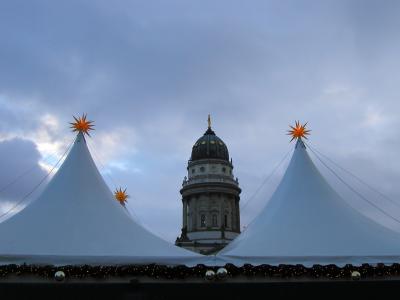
(224, 169)
(202, 169)
(214, 221)
(193, 170)
(226, 221)
(203, 221)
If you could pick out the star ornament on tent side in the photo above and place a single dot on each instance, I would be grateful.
(81, 124)
(298, 131)
(121, 195)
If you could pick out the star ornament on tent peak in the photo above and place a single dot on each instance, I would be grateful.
(298, 131)
(121, 195)
(81, 124)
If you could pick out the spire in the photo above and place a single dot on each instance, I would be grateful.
(209, 130)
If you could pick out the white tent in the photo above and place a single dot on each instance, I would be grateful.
(77, 220)
(307, 222)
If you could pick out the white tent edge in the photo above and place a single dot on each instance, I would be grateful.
(60, 260)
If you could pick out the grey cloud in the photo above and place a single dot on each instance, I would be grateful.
(158, 68)
(20, 173)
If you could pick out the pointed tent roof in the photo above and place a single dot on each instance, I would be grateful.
(307, 222)
(77, 220)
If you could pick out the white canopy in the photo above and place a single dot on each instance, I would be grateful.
(307, 222)
(77, 220)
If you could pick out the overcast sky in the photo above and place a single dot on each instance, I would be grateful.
(149, 72)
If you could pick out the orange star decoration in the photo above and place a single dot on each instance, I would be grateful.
(121, 195)
(299, 131)
(81, 124)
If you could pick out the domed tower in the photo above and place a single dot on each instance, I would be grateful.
(210, 197)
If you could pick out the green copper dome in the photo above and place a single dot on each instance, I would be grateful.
(209, 146)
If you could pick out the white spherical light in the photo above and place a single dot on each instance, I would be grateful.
(59, 276)
(210, 275)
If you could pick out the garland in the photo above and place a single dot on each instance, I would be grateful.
(199, 271)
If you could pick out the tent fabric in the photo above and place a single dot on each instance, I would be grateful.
(77, 220)
(307, 222)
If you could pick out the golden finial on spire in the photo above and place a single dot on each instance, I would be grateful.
(209, 121)
(121, 195)
(82, 125)
(299, 131)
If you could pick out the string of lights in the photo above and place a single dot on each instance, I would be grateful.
(202, 271)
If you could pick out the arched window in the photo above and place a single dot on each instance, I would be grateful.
(214, 221)
(202, 169)
(203, 221)
(226, 221)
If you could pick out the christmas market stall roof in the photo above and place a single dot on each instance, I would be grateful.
(307, 222)
(76, 220)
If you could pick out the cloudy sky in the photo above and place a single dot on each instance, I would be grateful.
(149, 72)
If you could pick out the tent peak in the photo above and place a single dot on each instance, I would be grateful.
(300, 144)
(80, 138)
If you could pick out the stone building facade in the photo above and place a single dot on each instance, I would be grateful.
(210, 197)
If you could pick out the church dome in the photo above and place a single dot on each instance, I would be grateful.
(209, 146)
